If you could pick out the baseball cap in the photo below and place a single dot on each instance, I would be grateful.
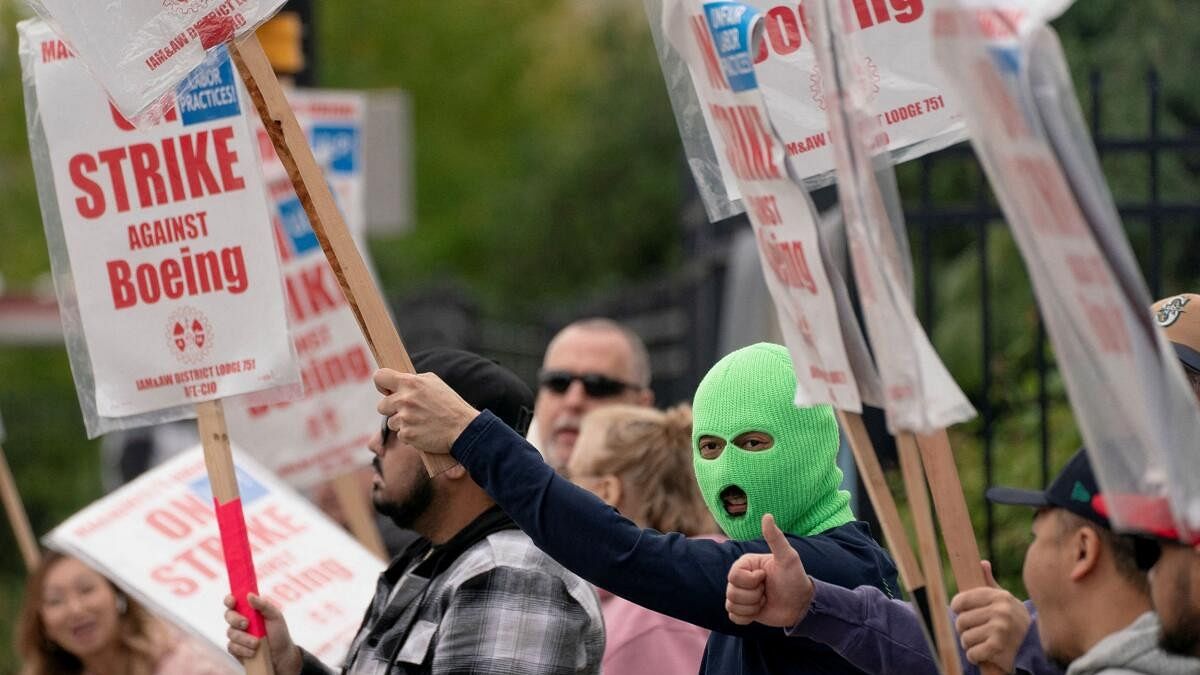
(481, 382)
(1074, 489)
(1179, 317)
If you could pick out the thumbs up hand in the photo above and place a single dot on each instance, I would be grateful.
(991, 623)
(770, 588)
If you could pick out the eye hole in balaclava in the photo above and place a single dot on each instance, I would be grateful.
(755, 452)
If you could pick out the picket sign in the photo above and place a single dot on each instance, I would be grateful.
(1127, 389)
(805, 291)
(15, 509)
(153, 228)
(158, 539)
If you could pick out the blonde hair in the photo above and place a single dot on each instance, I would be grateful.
(144, 639)
(651, 452)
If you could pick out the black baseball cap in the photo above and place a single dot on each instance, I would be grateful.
(481, 382)
(1074, 489)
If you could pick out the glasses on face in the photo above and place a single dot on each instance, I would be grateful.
(1146, 552)
(595, 385)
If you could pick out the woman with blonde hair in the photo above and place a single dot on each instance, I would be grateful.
(639, 460)
(75, 621)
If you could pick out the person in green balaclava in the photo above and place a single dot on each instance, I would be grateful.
(755, 452)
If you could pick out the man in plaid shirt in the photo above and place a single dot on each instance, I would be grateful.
(474, 595)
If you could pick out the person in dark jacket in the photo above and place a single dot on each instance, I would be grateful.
(754, 452)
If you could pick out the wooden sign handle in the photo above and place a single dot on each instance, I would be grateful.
(931, 554)
(882, 500)
(291, 145)
(17, 517)
(222, 477)
(360, 517)
(951, 506)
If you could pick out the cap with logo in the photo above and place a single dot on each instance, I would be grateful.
(1179, 317)
(1074, 489)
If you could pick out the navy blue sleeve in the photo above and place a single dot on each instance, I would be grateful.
(668, 573)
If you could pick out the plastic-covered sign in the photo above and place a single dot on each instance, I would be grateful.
(898, 81)
(157, 538)
(715, 38)
(160, 241)
(140, 50)
(919, 393)
(1128, 391)
(324, 434)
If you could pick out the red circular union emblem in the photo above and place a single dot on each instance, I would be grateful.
(189, 335)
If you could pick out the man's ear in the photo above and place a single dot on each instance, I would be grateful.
(1086, 547)
(456, 472)
(646, 397)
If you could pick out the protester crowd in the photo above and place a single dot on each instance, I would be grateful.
(711, 537)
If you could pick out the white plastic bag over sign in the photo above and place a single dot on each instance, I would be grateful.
(141, 49)
(160, 240)
(157, 539)
(715, 39)
(919, 393)
(323, 435)
(1127, 389)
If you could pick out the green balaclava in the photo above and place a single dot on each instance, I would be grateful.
(797, 480)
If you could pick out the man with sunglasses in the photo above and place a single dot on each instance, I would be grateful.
(588, 364)
(1094, 614)
(474, 595)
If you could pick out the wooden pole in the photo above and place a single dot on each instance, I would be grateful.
(17, 517)
(360, 517)
(291, 145)
(951, 506)
(222, 477)
(928, 607)
(931, 553)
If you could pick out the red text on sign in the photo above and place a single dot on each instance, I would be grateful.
(748, 144)
(174, 169)
(173, 278)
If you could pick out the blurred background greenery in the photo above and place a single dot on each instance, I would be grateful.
(549, 169)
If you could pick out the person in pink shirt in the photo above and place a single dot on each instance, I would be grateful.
(639, 460)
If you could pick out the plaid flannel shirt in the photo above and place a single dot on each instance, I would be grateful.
(488, 601)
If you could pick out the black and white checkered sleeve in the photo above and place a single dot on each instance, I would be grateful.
(515, 621)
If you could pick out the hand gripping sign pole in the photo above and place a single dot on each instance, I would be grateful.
(15, 509)
(294, 152)
(785, 227)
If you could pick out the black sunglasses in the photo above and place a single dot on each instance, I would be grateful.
(595, 385)
(1146, 552)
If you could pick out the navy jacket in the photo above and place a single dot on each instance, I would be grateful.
(668, 573)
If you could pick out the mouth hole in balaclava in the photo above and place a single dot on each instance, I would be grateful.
(733, 499)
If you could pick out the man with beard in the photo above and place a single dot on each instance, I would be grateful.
(1094, 610)
(473, 595)
(753, 451)
(588, 364)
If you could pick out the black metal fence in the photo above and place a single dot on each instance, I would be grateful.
(678, 314)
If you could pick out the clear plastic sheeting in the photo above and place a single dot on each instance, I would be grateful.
(140, 49)
(1127, 388)
(780, 211)
(160, 277)
(919, 393)
(902, 85)
(717, 188)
